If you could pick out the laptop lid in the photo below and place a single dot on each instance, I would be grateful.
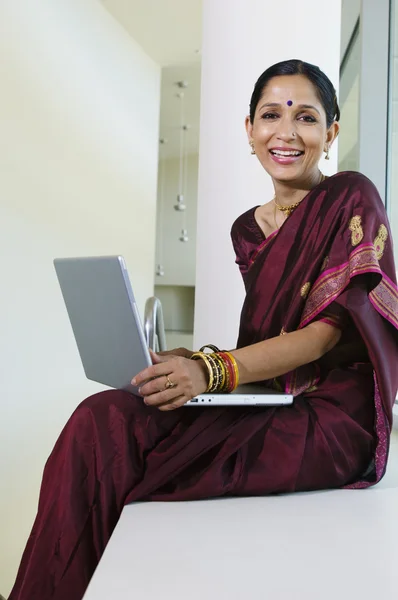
(104, 318)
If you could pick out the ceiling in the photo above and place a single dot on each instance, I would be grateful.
(170, 32)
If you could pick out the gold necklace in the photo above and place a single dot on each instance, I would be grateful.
(287, 210)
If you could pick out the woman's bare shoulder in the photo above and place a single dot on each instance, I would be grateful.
(266, 218)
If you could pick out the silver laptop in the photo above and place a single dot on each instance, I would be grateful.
(109, 334)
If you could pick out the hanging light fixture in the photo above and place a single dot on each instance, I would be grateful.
(184, 233)
(183, 174)
(184, 236)
(180, 206)
(182, 179)
(162, 172)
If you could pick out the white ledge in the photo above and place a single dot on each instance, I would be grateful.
(335, 544)
(395, 413)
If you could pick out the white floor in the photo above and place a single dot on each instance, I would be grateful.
(320, 546)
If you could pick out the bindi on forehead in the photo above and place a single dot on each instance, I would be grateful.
(289, 102)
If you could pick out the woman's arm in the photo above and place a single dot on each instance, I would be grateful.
(277, 356)
(264, 360)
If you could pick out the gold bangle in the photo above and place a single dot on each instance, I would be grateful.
(211, 347)
(217, 368)
(224, 372)
(228, 365)
(203, 356)
(227, 376)
(212, 378)
(216, 372)
(236, 369)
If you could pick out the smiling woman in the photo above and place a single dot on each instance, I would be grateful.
(293, 119)
(319, 322)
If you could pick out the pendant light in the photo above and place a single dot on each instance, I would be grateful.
(162, 176)
(180, 206)
(182, 174)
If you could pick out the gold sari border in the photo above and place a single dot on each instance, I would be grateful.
(382, 430)
(296, 384)
(334, 281)
(385, 300)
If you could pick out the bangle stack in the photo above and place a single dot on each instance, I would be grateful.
(222, 369)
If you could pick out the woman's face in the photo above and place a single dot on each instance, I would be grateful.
(289, 129)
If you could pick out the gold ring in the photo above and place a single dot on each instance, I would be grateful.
(169, 383)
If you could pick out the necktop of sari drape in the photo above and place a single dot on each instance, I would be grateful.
(335, 247)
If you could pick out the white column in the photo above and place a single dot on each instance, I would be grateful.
(240, 40)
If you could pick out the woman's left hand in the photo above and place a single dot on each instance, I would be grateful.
(171, 381)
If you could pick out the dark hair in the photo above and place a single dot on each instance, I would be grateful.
(322, 84)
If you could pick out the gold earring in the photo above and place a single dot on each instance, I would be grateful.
(327, 157)
(252, 147)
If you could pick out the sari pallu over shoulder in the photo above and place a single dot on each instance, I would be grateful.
(336, 247)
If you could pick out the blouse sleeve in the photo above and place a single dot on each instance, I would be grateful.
(246, 237)
(334, 315)
(239, 246)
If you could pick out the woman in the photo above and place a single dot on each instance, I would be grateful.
(319, 320)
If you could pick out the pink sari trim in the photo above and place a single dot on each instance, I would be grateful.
(382, 433)
(333, 282)
(262, 246)
(332, 322)
(302, 379)
(385, 300)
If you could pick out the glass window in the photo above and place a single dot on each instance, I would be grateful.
(392, 171)
(349, 104)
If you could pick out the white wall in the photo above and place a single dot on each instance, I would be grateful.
(78, 166)
(178, 258)
(238, 45)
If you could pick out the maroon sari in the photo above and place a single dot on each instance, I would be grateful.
(331, 260)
